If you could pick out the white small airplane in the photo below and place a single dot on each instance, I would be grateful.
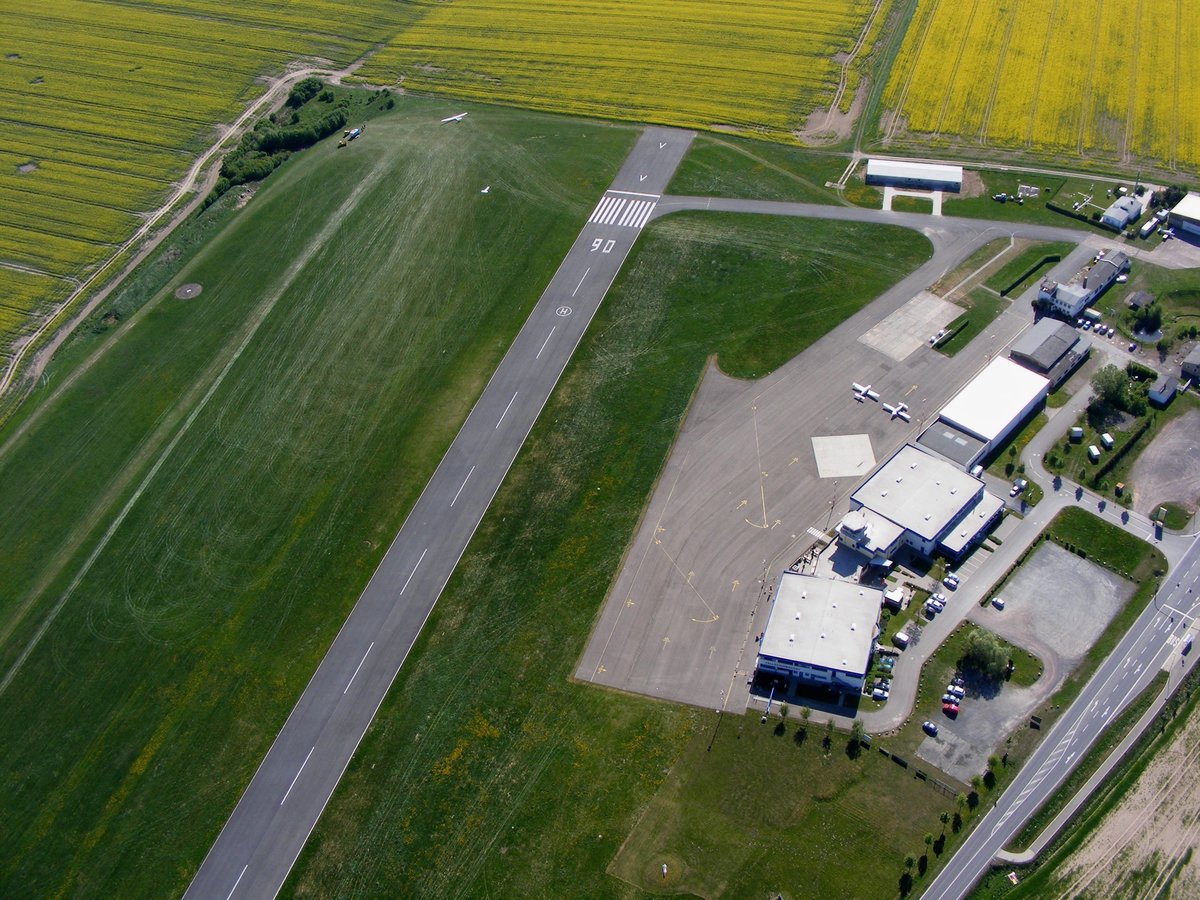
(486, 189)
(458, 118)
(899, 411)
(864, 392)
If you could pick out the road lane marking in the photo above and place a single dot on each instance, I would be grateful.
(506, 409)
(465, 480)
(239, 881)
(578, 286)
(413, 572)
(360, 665)
(297, 778)
(545, 342)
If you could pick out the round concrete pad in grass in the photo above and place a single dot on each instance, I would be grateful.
(188, 291)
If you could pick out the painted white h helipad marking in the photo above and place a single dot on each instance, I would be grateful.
(622, 211)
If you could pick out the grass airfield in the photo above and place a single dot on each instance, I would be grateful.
(190, 518)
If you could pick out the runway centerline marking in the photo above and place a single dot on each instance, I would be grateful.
(360, 665)
(465, 480)
(545, 342)
(578, 286)
(413, 572)
(506, 409)
(239, 881)
(297, 778)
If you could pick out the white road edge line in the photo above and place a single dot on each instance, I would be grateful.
(637, 194)
(506, 409)
(578, 286)
(239, 881)
(297, 778)
(360, 665)
(465, 480)
(413, 572)
(545, 342)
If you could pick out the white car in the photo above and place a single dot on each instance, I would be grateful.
(950, 581)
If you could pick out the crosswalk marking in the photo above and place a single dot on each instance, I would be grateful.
(622, 212)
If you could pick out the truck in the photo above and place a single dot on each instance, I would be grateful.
(1091, 315)
(355, 132)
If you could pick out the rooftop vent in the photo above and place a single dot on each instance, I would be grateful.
(822, 635)
(791, 638)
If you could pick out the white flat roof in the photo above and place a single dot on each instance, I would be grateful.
(964, 532)
(823, 622)
(918, 492)
(994, 398)
(891, 168)
(1188, 207)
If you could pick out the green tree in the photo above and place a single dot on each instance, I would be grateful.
(993, 762)
(928, 841)
(985, 654)
(805, 715)
(1111, 386)
(944, 818)
(910, 860)
(784, 709)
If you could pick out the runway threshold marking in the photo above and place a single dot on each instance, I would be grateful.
(545, 342)
(297, 778)
(360, 665)
(506, 409)
(413, 572)
(465, 480)
(239, 881)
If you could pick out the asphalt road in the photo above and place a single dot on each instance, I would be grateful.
(278, 810)
(1153, 639)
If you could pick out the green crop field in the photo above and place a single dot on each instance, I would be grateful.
(106, 104)
(712, 64)
(487, 769)
(187, 523)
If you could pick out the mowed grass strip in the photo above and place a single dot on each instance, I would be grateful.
(385, 288)
(1089, 79)
(488, 770)
(698, 63)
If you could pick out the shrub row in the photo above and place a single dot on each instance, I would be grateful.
(1048, 259)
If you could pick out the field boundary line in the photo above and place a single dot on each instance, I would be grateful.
(63, 321)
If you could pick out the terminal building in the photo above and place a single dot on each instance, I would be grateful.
(1051, 348)
(920, 502)
(985, 412)
(926, 176)
(1069, 299)
(820, 634)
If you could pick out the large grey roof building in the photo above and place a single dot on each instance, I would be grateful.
(1051, 348)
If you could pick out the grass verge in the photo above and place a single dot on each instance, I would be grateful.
(736, 167)
(985, 307)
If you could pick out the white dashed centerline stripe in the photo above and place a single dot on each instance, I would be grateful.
(297, 778)
(412, 573)
(506, 409)
(545, 342)
(239, 881)
(360, 665)
(463, 485)
(578, 286)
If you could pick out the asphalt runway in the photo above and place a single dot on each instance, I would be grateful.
(741, 497)
(278, 810)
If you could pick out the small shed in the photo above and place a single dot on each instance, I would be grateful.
(1138, 299)
(1107, 440)
(1076, 434)
(1163, 391)
(1191, 366)
(1094, 453)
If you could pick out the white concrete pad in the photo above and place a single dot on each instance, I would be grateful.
(910, 327)
(843, 455)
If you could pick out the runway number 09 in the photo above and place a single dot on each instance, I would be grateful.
(602, 245)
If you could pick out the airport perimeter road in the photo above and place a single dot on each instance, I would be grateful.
(1153, 639)
(259, 844)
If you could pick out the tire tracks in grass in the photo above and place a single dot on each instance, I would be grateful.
(261, 313)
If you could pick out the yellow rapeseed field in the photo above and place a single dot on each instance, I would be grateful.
(1080, 77)
(105, 104)
(750, 67)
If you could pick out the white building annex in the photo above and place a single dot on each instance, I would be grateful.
(820, 633)
(1185, 215)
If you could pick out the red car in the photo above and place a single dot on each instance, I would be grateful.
(950, 709)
